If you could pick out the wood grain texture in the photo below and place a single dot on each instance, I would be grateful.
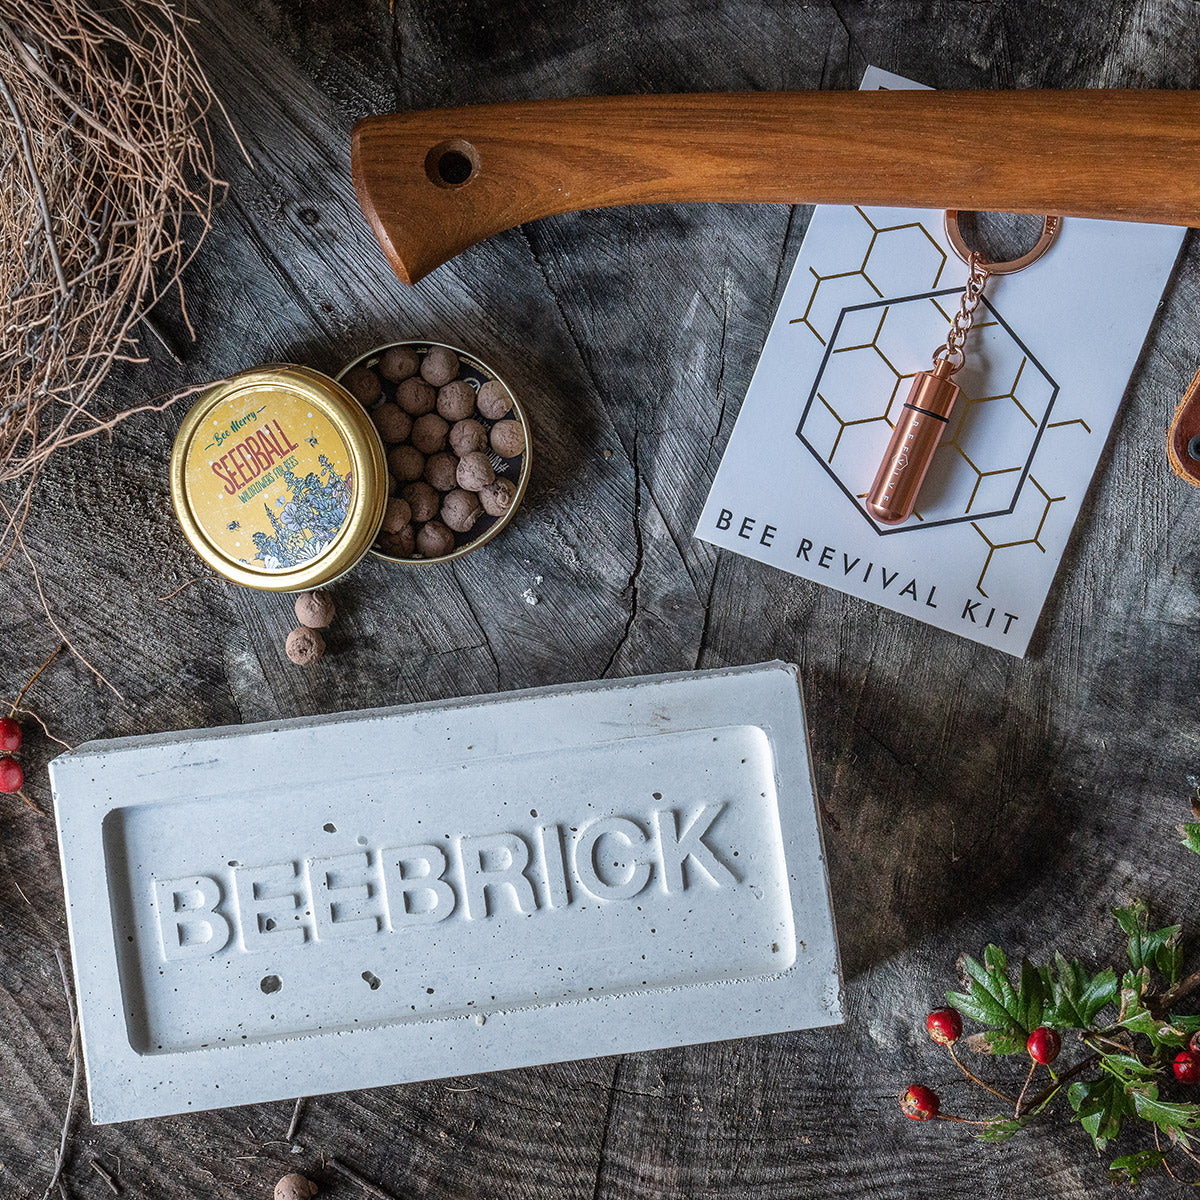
(968, 796)
(1084, 153)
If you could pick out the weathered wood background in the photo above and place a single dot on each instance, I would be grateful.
(967, 796)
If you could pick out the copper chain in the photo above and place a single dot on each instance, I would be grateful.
(952, 348)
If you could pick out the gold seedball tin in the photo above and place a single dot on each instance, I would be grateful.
(298, 421)
(370, 358)
(330, 429)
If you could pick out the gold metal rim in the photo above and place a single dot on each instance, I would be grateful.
(526, 463)
(368, 463)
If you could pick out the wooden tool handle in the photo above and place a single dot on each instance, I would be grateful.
(433, 183)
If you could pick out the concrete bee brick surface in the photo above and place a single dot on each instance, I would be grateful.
(264, 911)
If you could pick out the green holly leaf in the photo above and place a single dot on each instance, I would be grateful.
(1131, 1167)
(1190, 836)
(994, 1041)
(1076, 997)
(1150, 948)
(1100, 1106)
(1172, 1119)
(1009, 1013)
(1134, 985)
(1001, 1129)
(1129, 1068)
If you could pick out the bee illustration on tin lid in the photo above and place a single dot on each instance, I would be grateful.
(312, 441)
(233, 525)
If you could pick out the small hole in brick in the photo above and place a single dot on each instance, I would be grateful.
(372, 979)
(270, 983)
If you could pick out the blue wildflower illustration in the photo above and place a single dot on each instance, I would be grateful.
(311, 512)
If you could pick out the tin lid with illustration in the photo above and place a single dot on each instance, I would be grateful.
(278, 478)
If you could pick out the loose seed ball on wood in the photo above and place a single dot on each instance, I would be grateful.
(393, 423)
(416, 397)
(423, 501)
(315, 609)
(399, 363)
(363, 384)
(304, 646)
(295, 1187)
(456, 400)
(475, 471)
(493, 400)
(460, 510)
(508, 439)
(429, 433)
(441, 471)
(497, 498)
(397, 514)
(400, 544)
(407, 463)
(434, 540)
(440, 365)
(466, 436)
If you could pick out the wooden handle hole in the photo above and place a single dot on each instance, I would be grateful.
(452, 163)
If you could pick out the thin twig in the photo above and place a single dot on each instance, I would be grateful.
(61, 1157)
(1062, 1080)
(1024, 1089)
(31, 804)
(372, 1189)
(294, 1124)
(33, 679)
(106, 1176)
(172, 595)
(975, 1078)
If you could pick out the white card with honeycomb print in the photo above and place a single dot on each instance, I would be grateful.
(1048, 360)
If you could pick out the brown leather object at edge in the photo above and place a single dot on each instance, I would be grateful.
(1184, 427)
(1121, 155)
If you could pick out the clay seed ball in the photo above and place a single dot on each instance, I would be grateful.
(304, 646)
(393, 423)
(416, 397)
(466, 436)
(423, 501)
(397, 514)
(434, 540)
(363, 384)
(442, 471)
(429, 433)
(399, 363)
(460, 510)
(497, 498)
(456, 400)
(508, 439)
(475, 471)
(315, 609)
(440, 365)
(393, 485)
(493, 400)
(407, 463)
(400, 544)
(295, 1187)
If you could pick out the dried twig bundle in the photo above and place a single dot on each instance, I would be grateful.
(106, 189)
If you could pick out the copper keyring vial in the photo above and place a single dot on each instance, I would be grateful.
(925, 414)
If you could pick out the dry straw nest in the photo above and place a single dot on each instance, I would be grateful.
(106, 189)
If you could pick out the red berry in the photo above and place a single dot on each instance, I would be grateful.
(12, 778)
(944, 1025)
(10, 735)
(920, 1103)
(1043, 1045)
(1186, 1067)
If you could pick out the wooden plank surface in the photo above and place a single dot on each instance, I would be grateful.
(968, 796)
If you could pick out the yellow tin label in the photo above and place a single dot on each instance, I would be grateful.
(278, 478)
(273, 485)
